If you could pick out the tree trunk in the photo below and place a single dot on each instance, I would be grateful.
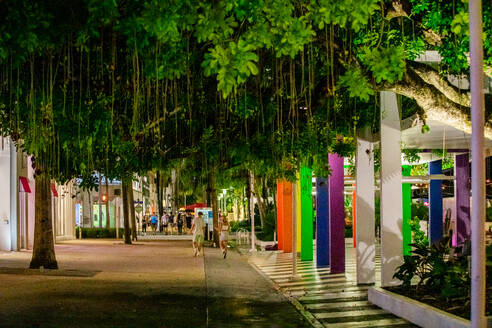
(261, 204)
(215, 207)
(131, 208)
(159, 194)
(174, 184)
(126, 214)
(108, 223)
(99, 202)
(43, 254)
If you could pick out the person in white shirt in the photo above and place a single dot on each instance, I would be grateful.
(198, 234)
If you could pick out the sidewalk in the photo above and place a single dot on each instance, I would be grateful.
(240, 297)
(104, 283)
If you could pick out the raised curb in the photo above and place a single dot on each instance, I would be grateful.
(421, 314)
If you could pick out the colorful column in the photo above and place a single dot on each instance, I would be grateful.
(298, 209)
(462, 193)
(287, 216)
(391, 191)
(337, 214)
(322, 223)
(435, 203)
(280, 215)
(364, 178)
(407, 212)
(306, 214)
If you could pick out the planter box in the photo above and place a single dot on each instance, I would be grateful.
(416, 312)
(262, 244)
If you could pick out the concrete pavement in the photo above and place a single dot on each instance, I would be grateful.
(104, 283)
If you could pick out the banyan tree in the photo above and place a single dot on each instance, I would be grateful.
(126, 86)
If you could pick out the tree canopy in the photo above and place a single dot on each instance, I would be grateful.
(127, 86)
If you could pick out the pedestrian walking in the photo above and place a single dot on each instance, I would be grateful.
(165, 221)
(144, 225)
(189, 218)
(153, 222)
(180, 223)
(224, 228)
(197, 227)
(171, 222)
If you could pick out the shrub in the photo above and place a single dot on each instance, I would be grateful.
(420, 210)
(434, 269)
(98, 232)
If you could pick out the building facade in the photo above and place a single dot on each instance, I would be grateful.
(17, 204)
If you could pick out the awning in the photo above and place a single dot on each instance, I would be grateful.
(53, 190)
(193, 206)
(24, 184)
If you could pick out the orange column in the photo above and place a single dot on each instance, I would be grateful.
(287, 216)
(280, 215)
(354, 219)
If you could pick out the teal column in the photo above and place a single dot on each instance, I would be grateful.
(306, 214)
(407, 212)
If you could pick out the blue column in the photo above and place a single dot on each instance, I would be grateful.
(322, 223)
(435, 203)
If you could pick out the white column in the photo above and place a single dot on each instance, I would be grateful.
(5, 217)
(365, 223)
(252, 211)
(391, 189)
(14, 194)
(478, 166)
(294, 231)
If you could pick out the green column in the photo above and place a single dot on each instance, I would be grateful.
(306, 214)
(407, 212)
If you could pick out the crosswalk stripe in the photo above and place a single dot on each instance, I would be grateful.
(328, 296)
(348, 313)
(307, 282)
(336, 305)
(363, 324)
(334, 300)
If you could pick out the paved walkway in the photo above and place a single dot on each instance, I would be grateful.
(104, 283)
(328, 300)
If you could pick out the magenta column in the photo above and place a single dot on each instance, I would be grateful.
(462, 174)
(337, 214)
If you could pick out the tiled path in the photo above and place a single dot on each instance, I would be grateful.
(329, 300)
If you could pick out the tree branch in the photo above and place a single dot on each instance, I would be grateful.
(432, 77)
(435, 104)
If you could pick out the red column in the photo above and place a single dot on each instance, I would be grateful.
(280, 215)
(287, 216)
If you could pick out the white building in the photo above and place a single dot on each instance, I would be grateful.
(17, 204)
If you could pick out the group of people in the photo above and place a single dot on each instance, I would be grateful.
(198, 230)
(181, 221)
(167, 223)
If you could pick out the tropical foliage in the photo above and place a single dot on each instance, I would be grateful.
(228, 86)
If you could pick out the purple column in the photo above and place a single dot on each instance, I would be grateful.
(462, 174)
(337, 214)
